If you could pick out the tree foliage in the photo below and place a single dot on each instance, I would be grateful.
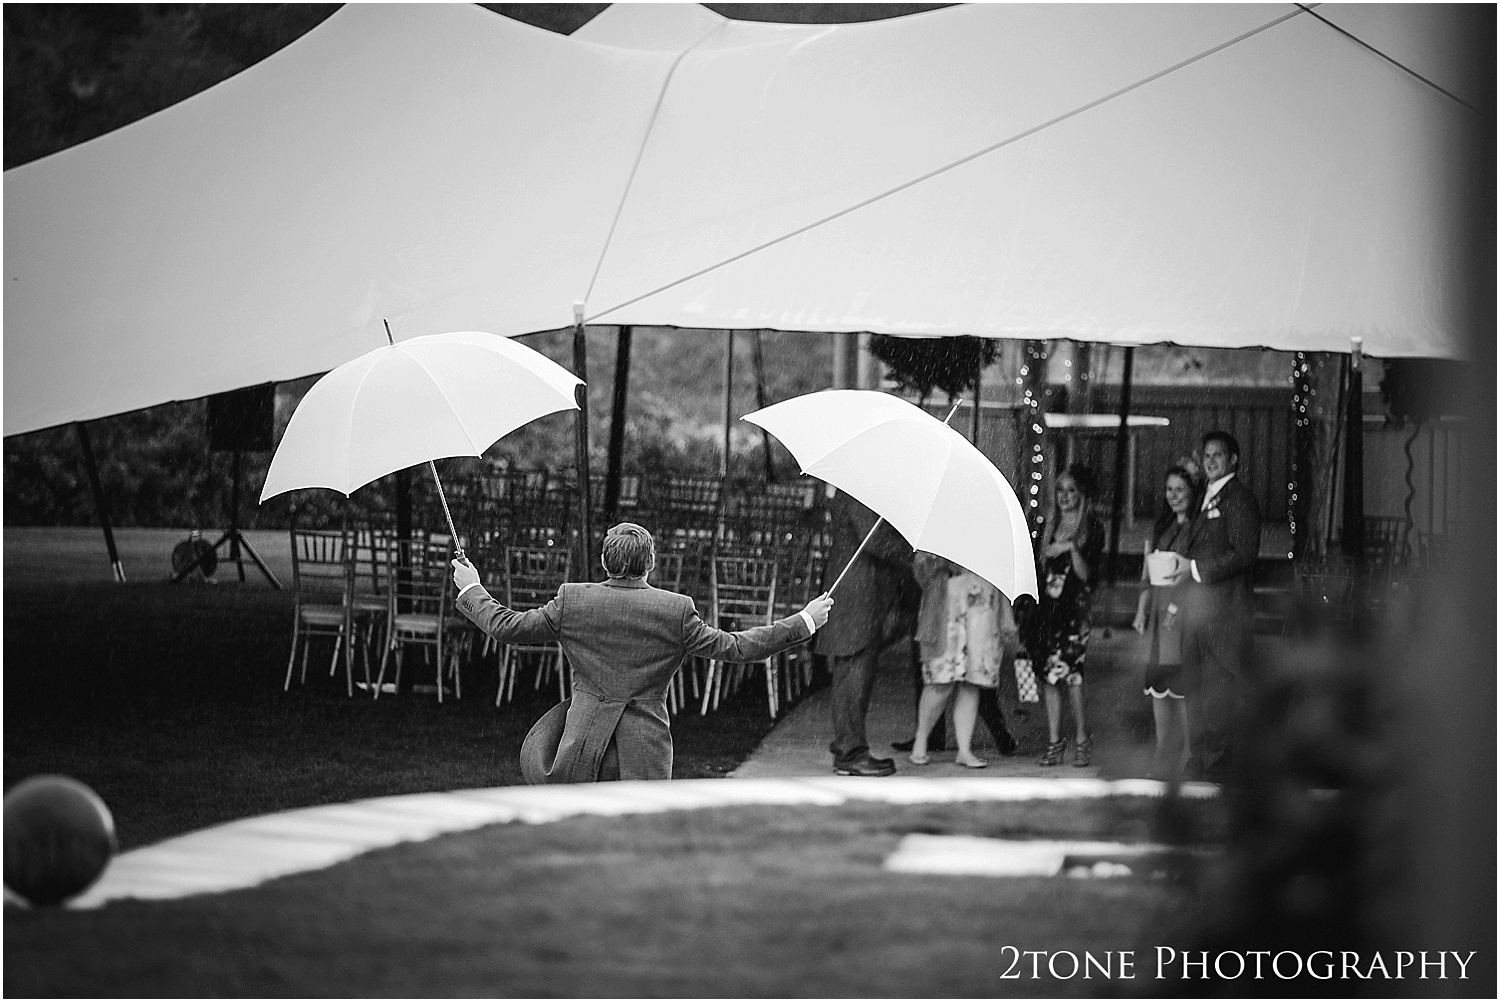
(921, 365)
(76, 71)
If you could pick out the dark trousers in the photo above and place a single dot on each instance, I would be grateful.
(853, 681)
(1217, 660)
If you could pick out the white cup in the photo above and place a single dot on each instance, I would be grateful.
(1161, 566)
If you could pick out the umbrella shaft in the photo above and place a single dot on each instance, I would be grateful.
(857, 552)
(457, 549)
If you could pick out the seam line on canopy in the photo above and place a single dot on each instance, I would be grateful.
(935, 172)
(1390, 59)
(349, 432)
(640, 154)
(439, 387)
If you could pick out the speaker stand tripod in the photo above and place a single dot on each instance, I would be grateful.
(234, 537)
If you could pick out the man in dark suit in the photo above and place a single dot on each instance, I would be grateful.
(624, 640)
(1216, 599)
(868, 598)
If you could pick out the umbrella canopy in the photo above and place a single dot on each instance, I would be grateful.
(411, 402)
(926, 479)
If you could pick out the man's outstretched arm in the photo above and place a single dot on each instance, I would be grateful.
(535, 626)
(756, 643)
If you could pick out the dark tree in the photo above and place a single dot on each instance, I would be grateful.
(921, 365)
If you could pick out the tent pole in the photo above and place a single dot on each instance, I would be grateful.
(978, 381)
(1354, 459)
(1333, 460)
(403, 538)
(1122, 445)
(234, 516)
(617, 423)
(728, 403)
(581, 392)
(100, 504)
(844, 346)
(758, 358)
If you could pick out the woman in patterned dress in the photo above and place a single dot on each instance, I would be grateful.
(958, 637)
(1055, 631)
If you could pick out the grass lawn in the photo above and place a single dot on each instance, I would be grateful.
(168, 701)
(736, 902)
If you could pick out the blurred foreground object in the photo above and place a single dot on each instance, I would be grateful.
(59, 836)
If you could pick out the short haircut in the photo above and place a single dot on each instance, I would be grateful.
(628, 551)
(1231, 445)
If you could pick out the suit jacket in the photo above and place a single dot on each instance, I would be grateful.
(624, 640)
(1224, 540)
(868, 597)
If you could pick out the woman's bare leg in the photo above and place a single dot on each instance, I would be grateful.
(965, 710)
(929, 708)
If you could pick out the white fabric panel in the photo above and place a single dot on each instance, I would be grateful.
(449, 169)
(433, 164)
(1291, 191)
(1428, 38)
(670, 27)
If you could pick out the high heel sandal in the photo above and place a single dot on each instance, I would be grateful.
(1082, 751)
(1054, 753)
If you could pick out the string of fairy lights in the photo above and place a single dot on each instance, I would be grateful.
(1035, 356)
(1302, 402)
(1304, 410)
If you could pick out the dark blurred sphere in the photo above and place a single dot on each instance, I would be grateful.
(59, 836)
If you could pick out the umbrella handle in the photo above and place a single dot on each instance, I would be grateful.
(857, 552)
(458, 551)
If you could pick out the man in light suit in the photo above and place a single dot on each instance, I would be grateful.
(868, 620)
(1216, 599)
(624, 640)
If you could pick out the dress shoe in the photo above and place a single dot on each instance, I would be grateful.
(865, 765)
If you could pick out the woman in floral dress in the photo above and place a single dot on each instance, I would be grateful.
(958, 638)
(1055, 631)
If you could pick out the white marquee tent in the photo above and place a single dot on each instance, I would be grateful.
(1208, 174)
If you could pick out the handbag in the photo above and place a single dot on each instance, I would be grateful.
(1026, 691)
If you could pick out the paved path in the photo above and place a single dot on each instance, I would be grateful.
(248, 852)
(798, 745)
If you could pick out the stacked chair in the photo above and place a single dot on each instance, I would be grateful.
(743, 595)
(420, 612)
(320, 598)
(747, 553)
(1325, 596)
(532, 577)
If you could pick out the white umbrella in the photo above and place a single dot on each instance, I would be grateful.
(926, 479)
(412, 402)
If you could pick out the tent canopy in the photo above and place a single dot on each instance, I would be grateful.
(1209, 174)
